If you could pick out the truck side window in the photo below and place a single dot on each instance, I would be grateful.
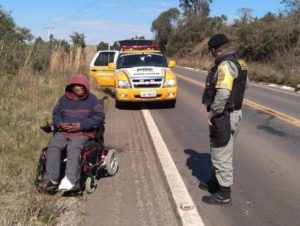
(104, 58)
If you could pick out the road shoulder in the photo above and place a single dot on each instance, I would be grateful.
(136, 195)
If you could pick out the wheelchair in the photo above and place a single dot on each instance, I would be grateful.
(95, 162)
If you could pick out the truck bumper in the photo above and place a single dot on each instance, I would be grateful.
(140, 95)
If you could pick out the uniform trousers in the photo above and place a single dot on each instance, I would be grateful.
(222, 156)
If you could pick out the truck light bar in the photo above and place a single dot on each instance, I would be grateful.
(140, 47)
(138, 44)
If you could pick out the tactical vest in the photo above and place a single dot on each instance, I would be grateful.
(235, 100)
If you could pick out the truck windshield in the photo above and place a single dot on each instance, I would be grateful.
(141, 60)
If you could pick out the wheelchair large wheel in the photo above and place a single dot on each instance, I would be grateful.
(41, 168)
(112, 162)
(90, 185)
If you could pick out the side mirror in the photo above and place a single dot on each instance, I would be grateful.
(172, 63)
(112, 66)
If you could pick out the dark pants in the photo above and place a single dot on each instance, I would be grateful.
(73, 147)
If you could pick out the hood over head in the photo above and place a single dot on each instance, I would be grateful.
(78, 79)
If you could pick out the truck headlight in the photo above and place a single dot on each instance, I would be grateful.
(123, 84)
(170, 83)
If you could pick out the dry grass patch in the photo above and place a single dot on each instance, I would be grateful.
(25, 105)
(27, 100)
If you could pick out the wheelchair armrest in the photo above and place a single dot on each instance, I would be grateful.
(98, 127)
(48, 128)
(99, 131)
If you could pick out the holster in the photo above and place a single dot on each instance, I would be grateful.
(208, 97)
(220, 131)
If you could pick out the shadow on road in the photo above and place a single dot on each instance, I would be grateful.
(199, 163)
(144, 105)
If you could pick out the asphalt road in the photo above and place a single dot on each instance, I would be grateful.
(136, 195)
(266, 187)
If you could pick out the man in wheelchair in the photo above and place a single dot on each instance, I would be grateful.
(75, 115)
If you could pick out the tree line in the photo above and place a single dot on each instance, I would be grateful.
(17, 43)
(271, 42)
(272, 39)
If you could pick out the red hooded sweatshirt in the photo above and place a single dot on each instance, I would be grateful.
(88, 110)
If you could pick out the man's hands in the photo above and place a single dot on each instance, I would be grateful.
(75, 127)
(70, 127)
(64, 126)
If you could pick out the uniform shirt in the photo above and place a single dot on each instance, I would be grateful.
(225, 75)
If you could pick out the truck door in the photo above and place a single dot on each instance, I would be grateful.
(100, 71)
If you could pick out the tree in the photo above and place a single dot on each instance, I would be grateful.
(195, 7)
(10, 32)
(195, 30)
(102, 46)
(164, 25)
(245, 15)
(115, 46)
(39, 41)
(23, 34)
(138, 38)
(7, 25)
(291, 6)
(78, 39)
(51, 37)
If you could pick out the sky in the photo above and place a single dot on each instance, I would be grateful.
(111, 20)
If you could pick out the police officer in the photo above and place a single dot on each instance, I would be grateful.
(223, 97)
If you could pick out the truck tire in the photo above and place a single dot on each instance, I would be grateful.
(170, 103)
(119, 104)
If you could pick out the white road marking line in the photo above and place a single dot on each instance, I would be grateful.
(179, 191)
(275, 89)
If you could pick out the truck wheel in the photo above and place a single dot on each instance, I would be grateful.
(112, 162)
(119, 104)
(170, 103)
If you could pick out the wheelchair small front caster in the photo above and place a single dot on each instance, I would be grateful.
(90, 184)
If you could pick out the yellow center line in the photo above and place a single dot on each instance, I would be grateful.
(289, 119)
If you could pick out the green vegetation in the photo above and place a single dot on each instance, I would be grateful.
(78, 39)
(270, 44)
(33, 75)
(102, 46)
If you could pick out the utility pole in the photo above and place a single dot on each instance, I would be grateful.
(49, 31)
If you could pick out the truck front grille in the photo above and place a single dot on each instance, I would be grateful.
(147, 82)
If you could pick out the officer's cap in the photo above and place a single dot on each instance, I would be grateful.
(217, 40)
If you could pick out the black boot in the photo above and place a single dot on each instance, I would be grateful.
(211, 186)
(221, 197)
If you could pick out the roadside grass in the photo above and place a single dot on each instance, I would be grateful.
(194, 62)
(283, 69)
(26, 103)
(282, 72)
